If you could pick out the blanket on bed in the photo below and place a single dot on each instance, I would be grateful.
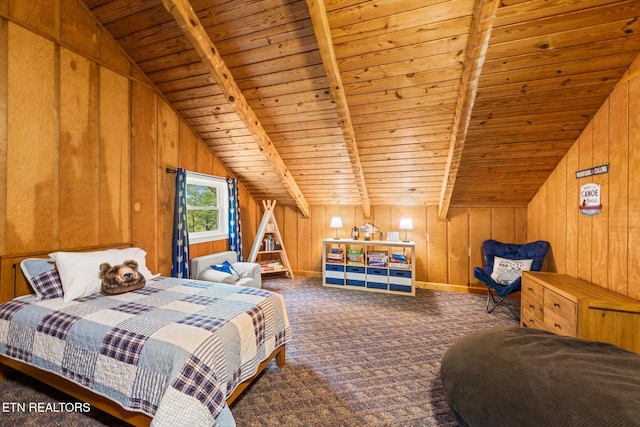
(509, 376)
(174, 350)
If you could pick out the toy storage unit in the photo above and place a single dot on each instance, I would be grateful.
(370, 265)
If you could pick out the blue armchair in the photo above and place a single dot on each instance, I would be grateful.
(535, 251)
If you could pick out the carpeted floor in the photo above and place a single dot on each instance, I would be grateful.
(356, 359)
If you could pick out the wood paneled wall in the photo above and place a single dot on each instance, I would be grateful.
(603, 248)
(446, 251)
(85, 140)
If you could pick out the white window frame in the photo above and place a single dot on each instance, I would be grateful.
(223, 207)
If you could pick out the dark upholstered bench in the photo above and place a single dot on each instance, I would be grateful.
(513, 376)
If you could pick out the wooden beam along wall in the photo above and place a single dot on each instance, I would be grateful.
(318, 13)
(190, 24)
(483, 17)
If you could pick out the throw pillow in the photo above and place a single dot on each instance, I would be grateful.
(226, 267)
(507, 271)
(79, 271)
(121, 278)
(43, 277)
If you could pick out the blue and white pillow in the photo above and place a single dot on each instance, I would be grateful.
(226, 267)
(43, 277)
(507, 271)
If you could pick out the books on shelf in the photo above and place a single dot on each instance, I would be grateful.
(398, 257)
(377, 258)
(372, 258)
(335, 255)
(399, 265)
(399, 261)
(354, 256)
(270, 265)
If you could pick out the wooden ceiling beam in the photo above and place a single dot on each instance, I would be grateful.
(188, 21)
(484, 15)
(318, 12)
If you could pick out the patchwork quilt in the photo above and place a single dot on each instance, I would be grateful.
(174, 350)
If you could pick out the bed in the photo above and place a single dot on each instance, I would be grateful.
(175, 352)
(510, 376)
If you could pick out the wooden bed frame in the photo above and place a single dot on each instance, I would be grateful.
(13, 284)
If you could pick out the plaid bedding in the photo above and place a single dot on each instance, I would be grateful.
(174, 350)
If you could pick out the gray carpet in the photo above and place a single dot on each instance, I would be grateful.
(356, 359)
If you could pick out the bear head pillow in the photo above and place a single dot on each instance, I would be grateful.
(121, 278)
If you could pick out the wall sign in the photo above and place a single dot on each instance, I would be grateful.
(596, 170)
(590, 199)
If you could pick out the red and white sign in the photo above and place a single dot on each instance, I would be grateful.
(590, 199)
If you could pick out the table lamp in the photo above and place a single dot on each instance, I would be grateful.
(405, 224)
(336, 222)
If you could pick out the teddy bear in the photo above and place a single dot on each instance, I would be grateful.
(120, 278)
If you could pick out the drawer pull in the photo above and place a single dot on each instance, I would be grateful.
(555, 304)
(530, 289)
(557, 325)
(532, 306)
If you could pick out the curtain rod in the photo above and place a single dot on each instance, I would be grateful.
(171, 170)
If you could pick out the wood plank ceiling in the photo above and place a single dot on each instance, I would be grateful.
(382, 102)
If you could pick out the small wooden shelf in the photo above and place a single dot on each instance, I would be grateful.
(268, 231)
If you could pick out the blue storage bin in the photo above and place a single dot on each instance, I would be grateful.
(353, 282)
(377, 271)
(400, 273)
(399, 288)
(376, 285)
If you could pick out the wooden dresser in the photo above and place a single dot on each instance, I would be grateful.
(569, 306)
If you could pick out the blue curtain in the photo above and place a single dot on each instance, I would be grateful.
(235, 227)
(180, 267)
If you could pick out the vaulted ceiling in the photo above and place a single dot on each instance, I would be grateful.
(382, 102)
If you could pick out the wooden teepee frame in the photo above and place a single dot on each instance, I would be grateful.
(269, 226)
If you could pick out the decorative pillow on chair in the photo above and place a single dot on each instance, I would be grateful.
(226, 267)
(507, 271)
(43, 277)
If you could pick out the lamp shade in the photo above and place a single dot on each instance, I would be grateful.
(406, 224)
(336, 222)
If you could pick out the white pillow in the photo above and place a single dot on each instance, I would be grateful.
(79, 271)
(506, 271)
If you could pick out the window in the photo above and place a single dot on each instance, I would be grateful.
(207, 208)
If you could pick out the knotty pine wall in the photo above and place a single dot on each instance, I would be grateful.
(602, 249)
(446, 251)
(85, 140)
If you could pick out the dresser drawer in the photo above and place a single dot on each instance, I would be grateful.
(560, 325)
(532, 289)
(560, 306)
(533, 306)
(530, 318)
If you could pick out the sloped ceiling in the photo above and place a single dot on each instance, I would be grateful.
(382, 102)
